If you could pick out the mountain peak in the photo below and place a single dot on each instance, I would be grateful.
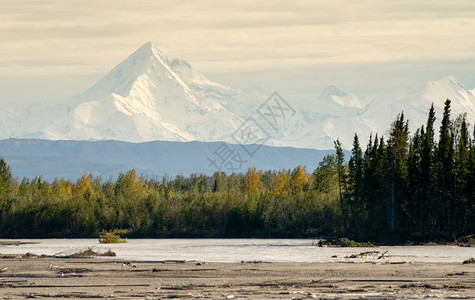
(334, 94)
(147, 45)
(448, 81)
(446, 87)
(146, 51)
(148, 97)
(121, 78)
(332, 90)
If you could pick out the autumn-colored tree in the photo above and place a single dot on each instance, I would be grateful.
(299, 179)
(252, 180)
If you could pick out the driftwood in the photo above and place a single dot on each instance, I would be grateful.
(363, 254)
(171, 261)
(382, 255)
(87, 253)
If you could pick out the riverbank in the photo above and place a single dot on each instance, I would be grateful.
(50, 277)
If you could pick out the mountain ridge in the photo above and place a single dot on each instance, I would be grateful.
(108, 158)
(149, 96)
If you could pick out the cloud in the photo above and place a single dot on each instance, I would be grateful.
(68, 38)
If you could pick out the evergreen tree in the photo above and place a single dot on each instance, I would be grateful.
(371, 186)
(340, 156)
(355, 185)
(470, 210)
(461, 173)
(445, 171)
(397, 162)
(426, 207)
(376, 188)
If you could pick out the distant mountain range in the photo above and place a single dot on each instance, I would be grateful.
(71, 159)
(150, 97)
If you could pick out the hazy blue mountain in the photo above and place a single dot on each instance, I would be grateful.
(70, 159)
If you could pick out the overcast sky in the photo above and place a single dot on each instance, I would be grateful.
(52, 50)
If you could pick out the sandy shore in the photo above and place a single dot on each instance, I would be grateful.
(85, 278)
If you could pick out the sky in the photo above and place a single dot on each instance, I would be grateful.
(52, 50)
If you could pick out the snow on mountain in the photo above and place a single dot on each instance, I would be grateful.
(334, 94)
(150, 97)
(415, 102)
(449, 87)
(334, 114)
(337, 114)
(334, 101)
(26, 121)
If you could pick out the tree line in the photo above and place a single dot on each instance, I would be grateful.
(400, 188)
(412, 186)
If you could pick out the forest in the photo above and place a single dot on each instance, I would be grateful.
(401, 188)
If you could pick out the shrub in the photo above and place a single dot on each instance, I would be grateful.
(111, 238)
(345, 242)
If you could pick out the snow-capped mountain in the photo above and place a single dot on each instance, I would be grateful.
(416, 101)
(333, 95)
(151, 97)
(334, 114)
(337, 114)
(147, 97)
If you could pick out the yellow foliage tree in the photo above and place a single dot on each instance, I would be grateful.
(281, 183)
(252, 180)
(299, 179)
(84, 187)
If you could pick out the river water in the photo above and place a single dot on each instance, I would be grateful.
(237, 250)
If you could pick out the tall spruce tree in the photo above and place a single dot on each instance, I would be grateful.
(373, 187)
(445, 171)
(397, 161)
(471, 186)
(461, 173)
(426, 207)
(355, 186)
(414, 184)
(340, 156)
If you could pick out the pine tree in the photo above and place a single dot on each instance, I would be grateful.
(461, 173)
(372, 187)
(355, 185)
(397, 155)
(382, 186)
(426, 207)
(445, 171)
(340, 156)
(411, 222)
(470, 210)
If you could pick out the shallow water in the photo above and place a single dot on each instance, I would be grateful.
(236, 250)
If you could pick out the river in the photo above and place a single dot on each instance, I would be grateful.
(236, 250)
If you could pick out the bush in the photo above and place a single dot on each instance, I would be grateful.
(111, 238)
(345, 242)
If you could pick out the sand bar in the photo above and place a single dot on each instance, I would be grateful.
(109, 278)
